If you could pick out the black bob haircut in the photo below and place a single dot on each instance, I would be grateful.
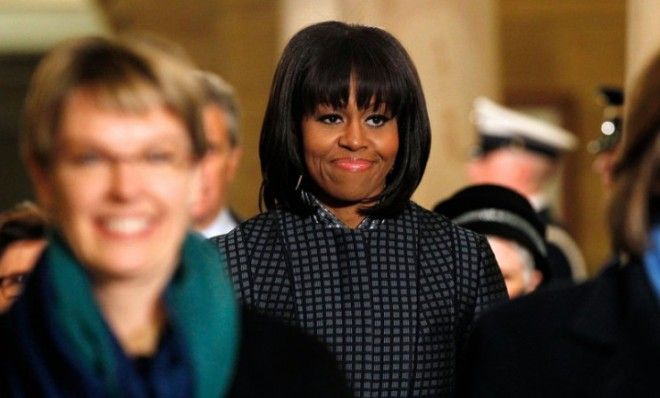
(317, 67)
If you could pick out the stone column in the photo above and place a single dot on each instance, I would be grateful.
(643, 35)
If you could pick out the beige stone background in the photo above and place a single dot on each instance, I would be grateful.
(548, 53)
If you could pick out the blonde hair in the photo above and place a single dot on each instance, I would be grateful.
(130, 76)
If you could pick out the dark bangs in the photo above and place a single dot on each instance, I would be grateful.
(357, 56)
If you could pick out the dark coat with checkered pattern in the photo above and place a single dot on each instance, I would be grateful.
(393, 301)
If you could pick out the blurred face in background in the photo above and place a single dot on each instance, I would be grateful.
(16, 262)
(603, 164)
(218, 166)
(121, 187)
(521, 170)
(518, 276)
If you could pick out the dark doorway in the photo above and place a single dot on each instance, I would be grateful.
(15, 72)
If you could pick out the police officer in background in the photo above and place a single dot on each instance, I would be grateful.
(524, 153)
(604, 147)
(513, 229)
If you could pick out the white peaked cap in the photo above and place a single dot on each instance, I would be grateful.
(492, 119)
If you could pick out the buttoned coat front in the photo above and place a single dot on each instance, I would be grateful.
(393, 301)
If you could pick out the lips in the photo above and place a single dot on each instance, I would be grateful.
(353, 164)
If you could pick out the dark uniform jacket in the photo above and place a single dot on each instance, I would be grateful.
(393, 298)
(599, 339)
(564, 256)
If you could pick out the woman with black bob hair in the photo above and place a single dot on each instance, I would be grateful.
(318, 67)
(341, 251)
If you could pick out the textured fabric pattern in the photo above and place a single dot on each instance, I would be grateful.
(393, 302)
(324, 216)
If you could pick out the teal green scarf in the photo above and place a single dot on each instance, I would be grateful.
(200, 304)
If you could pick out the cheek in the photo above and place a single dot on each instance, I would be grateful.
(193, 188)
(218, 165)
(310, 145)
(389, 147)
(211, 172)
(314, 152)
(72, 198)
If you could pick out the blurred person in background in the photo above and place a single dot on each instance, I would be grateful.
(525, 153)
(212, 216)
(126, 301)
(513, 229)
(604, 147)
(22, 239)
(341, 251)
(601, 338)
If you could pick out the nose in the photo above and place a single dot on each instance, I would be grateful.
(125, 182)
(353, 137)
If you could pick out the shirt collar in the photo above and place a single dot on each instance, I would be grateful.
(324, 216)
(222, 224)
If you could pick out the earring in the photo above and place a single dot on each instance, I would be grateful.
(298, 183)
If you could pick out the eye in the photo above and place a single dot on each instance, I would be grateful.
(331, 118)
(377, 120)
(159, 156)
(87, 158)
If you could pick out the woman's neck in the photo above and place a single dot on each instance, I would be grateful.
(348, 215)
(346, 212)
(134, 312)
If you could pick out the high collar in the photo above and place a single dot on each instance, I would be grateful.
(324, 216)
(222, 224)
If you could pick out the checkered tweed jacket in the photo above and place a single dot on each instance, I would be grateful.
(393, 301)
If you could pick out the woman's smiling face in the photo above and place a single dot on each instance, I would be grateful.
(121, 187)
(349, 151)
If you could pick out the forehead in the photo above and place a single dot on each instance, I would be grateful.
(216, 123)
(84, 119)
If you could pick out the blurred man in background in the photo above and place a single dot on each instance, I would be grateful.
(604, 147)
(212, 216)
(524, 153)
